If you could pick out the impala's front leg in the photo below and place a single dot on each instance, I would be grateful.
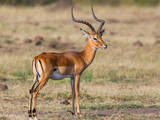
(77, 80)
(73, 94)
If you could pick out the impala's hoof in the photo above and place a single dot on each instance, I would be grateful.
(73, 116)
(30, 118)
(35, 118)
(79, 114)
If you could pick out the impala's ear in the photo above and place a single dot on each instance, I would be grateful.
(101, 32)
(85, 33)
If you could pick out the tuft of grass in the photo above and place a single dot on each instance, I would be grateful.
(87, 76)
(63, 95)
(123, 2)
(98, 106)
(141, 2)
(112, 75)
(49, 28)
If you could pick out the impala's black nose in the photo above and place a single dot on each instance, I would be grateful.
(105, 46)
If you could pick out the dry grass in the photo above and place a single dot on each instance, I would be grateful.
(122, 77)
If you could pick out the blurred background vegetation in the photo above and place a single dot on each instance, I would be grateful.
(122, 79)
(110, 2)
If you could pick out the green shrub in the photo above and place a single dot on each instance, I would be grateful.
(26, 2)
(111, 2)
(141, 2)
(87, 76)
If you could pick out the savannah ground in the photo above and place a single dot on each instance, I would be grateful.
(123, 82)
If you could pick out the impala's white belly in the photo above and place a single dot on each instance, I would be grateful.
(57, 76)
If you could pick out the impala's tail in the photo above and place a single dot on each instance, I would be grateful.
(37, 69)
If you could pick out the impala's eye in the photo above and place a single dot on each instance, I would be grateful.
(95, 39)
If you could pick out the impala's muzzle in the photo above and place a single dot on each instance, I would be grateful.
(105, 46)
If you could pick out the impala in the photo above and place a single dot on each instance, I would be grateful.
(66, 65)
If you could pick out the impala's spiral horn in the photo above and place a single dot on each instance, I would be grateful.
(82, 21)
(99, 20)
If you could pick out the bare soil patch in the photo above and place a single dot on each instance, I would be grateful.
(139, 111)
(151, 110)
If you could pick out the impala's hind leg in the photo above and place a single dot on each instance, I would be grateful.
(30, 106)
(40, 85)
(37, 77)
(31, 96)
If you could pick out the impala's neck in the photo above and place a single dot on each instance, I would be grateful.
(88, 53)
